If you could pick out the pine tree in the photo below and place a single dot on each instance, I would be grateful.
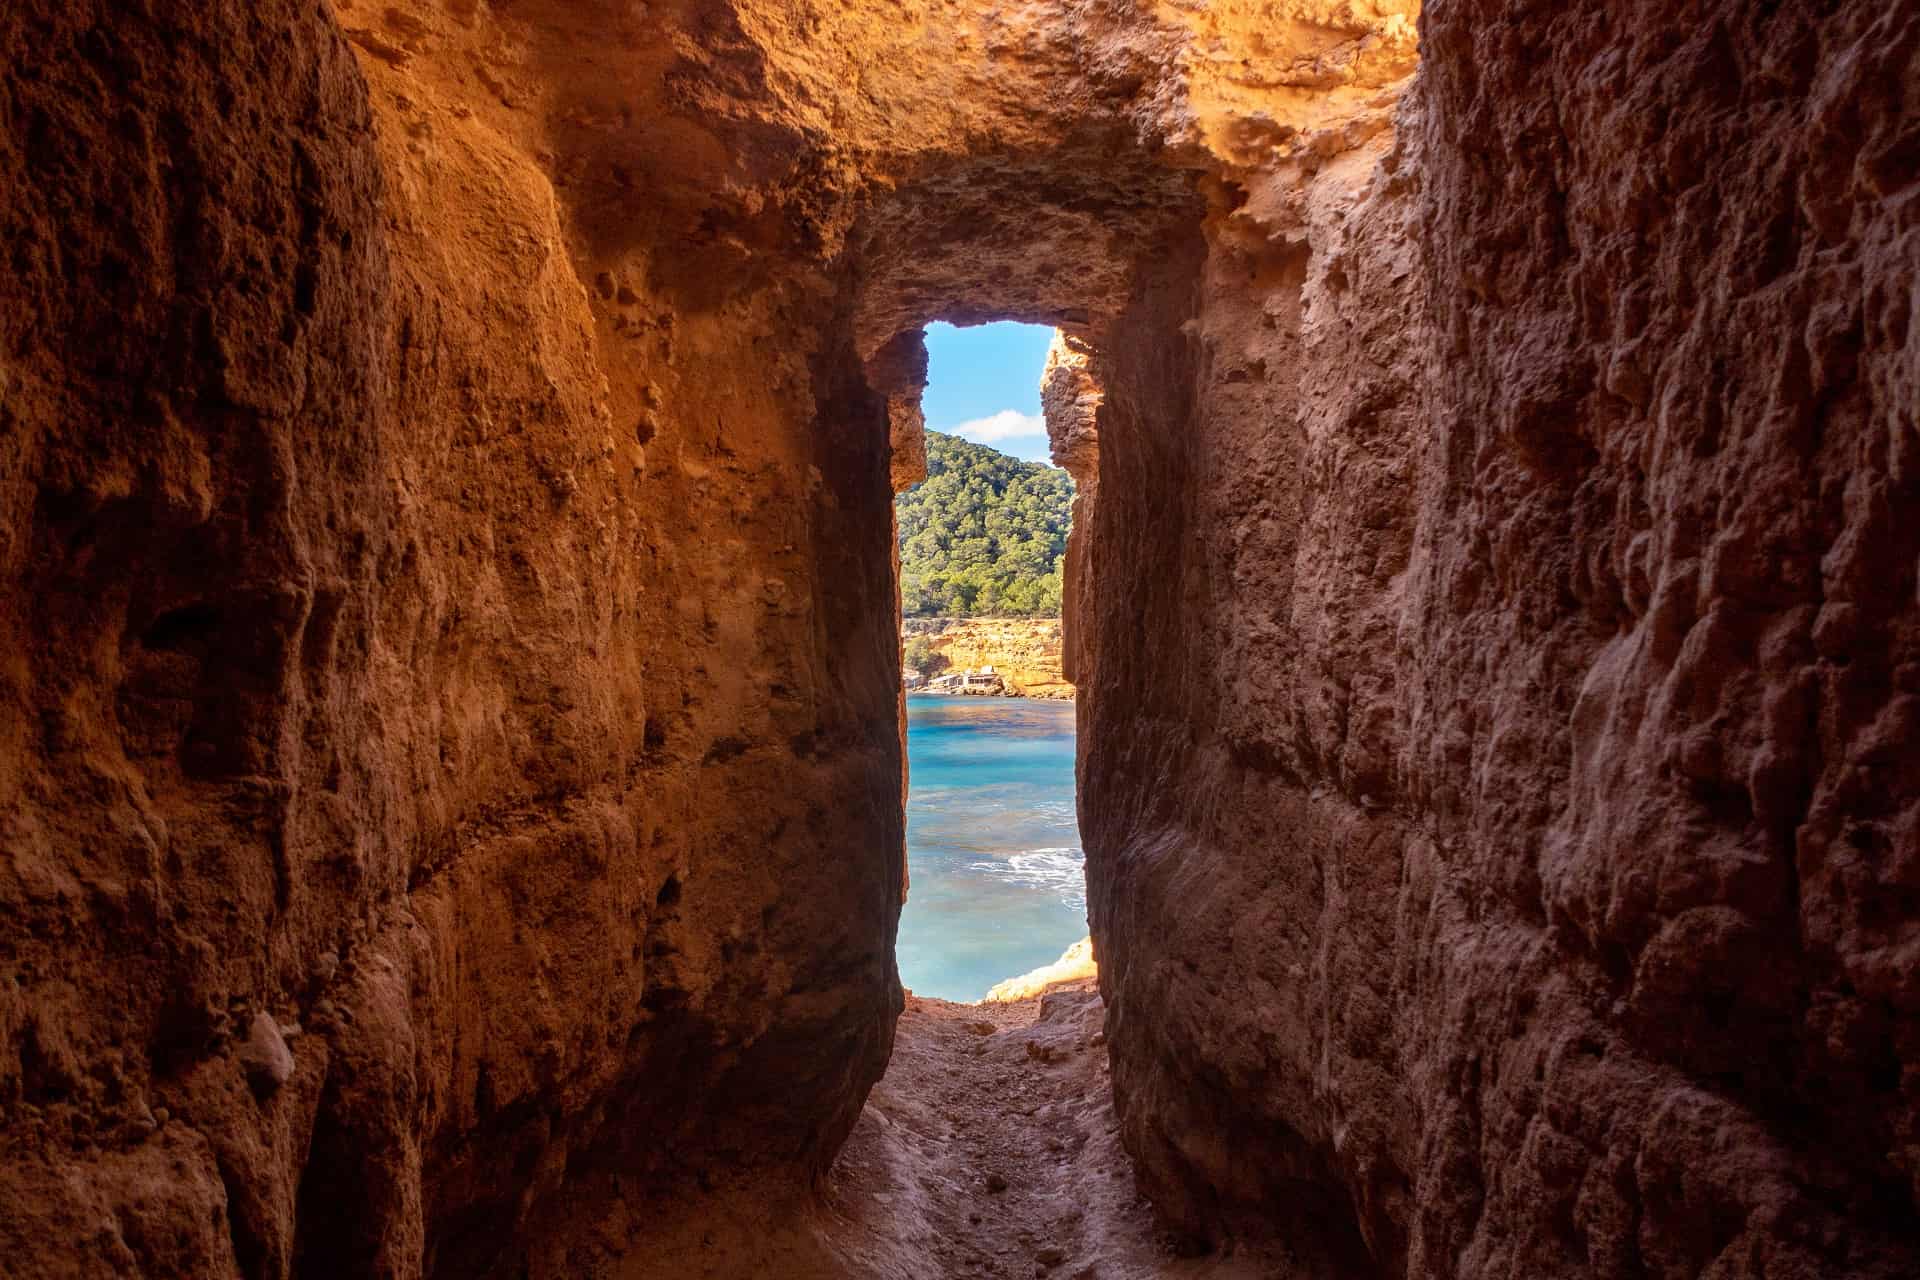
(983, 534)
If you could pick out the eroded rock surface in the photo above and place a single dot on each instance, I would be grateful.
(1498, 776)
(421, 630)
(444, 572)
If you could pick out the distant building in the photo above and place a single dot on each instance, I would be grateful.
(983, 681)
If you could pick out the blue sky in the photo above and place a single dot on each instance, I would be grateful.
(983, 383)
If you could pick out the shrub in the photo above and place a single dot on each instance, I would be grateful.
(920, 654)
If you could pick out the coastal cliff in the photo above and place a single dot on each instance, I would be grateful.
(1023, 652)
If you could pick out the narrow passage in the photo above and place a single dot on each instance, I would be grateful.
(991, 1149)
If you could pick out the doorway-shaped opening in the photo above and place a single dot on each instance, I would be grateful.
(993, 845)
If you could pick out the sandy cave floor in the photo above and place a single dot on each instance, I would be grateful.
(990, 1149)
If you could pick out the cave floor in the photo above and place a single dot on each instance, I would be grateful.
(990, 1149)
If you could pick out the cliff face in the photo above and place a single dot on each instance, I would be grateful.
(450, 759)
(1024, 652)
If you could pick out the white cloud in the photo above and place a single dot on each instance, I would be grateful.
(1003, 425)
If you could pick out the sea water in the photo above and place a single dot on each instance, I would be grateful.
(993, 847)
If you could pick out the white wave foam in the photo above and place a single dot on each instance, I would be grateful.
(1060, 869)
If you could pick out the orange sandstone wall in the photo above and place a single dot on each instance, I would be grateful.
(434, 665)
(1497, 655)
(449, 736)
(451, 761)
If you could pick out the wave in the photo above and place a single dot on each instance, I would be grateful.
(1062, 870)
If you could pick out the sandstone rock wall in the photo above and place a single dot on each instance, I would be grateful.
(1498, 775)
(1253, 517)
(422, 633)
(447, 556)
(1024, 652)
(444, 544)
(192, 791)
(1070, 402)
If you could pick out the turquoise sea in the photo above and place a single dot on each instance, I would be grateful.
(993, 848)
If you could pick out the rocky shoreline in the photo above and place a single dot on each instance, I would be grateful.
(989, 657)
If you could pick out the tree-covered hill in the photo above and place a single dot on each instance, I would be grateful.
(983, 534)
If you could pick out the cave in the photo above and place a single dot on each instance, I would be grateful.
(451, 773)
(997, 891)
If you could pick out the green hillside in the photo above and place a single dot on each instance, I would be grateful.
(983, 534)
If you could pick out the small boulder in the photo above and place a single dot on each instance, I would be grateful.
(265, 1056)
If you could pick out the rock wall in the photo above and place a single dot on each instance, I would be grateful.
(1024, 652)
(450, 762)
(1497, 685)
(421, 634)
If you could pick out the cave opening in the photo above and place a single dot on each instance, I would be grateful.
(453, 758)
(992, 833)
